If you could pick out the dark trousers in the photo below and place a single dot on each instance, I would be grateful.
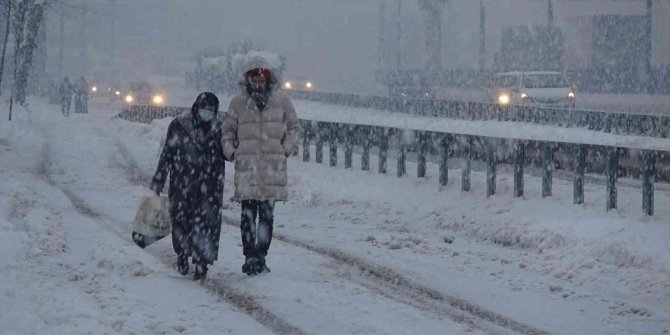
(256, 238)
(65, 106)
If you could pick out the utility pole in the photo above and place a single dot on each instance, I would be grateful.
(398, 44)
(482, 38)
(383, 48)
(112, 39)
(83, 61)
(382, 36)
(433, 24)
(648, 46)
(62, 41)
(550, 15)
(550, 49)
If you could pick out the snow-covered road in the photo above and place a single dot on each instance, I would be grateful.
(356, 252)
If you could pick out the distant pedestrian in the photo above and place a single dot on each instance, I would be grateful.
(81, 96)
(65, 96)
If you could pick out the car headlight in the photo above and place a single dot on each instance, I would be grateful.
(117, 93)
(158, 99)
(308, 85)
(524, 96)
(129, 98)
(571, 95)
(287, 85)
(94, 89)
(504, 99)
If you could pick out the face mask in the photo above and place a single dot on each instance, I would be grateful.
(256, 88)
(206, 114)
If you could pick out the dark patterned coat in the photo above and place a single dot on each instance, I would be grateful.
(194, 161)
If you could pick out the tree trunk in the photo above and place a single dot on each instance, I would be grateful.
(18, 37)
(33, 18)
(4, 44)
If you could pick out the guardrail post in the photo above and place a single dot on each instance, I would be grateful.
(383, 149)
(332, 136)
(467, 164)
(580, 167)
(365, 157)
(402, 169)
(422, 150)
(348, 146)
(612, 171)
(649, 168)
(319, 142)
(306, 133)
(444, 157)
(490, 168)
(519, 158)
(547, 168)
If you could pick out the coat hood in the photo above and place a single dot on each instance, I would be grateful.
(260, 62)
(256, 62)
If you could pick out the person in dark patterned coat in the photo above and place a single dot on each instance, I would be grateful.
(193, 159)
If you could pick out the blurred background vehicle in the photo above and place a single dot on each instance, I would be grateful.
(143, 93)
(298, 82)
(547, 88)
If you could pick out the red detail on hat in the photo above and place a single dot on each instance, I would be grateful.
(259, 71)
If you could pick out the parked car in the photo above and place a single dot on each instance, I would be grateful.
(547, 88)
(143, 93)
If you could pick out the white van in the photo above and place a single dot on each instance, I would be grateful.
(545, 88)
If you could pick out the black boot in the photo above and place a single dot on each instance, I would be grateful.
(182, 264)
(250, 266)
(261, 266)
(200, 271)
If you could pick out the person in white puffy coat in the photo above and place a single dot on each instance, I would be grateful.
(260, 131)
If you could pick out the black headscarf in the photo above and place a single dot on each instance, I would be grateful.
(205, 100)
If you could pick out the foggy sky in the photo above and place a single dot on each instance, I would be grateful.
(334, 42)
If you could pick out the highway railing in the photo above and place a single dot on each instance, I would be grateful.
(616, 123)
(538, 146)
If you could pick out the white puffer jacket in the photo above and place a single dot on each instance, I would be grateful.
(260, 142)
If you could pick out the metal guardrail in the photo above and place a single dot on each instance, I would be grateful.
(468, 147)
(617, 123)
(148, 113)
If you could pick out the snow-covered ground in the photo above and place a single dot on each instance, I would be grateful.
(356, 252)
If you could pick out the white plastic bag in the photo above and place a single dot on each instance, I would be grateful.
(152, 221)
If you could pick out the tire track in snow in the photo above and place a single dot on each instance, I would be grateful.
(134, 173)
(246, 303)
(382, 280)
(391, 284)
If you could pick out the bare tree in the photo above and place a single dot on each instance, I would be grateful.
(25, 49)
(7, 4)
(26, 20)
